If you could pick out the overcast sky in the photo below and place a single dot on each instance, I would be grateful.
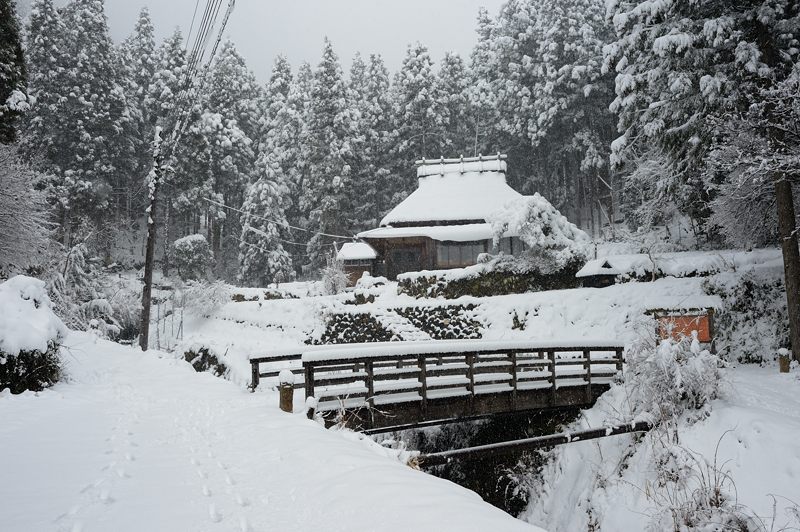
(262, 29)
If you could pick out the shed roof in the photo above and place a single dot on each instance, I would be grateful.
(597, 267)
(356, 251)
(451, 191)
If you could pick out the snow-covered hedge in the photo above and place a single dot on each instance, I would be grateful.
(498, 276)
(753, 322)
(30, 335)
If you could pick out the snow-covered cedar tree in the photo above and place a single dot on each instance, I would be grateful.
(13, 95)
(540, 95)
(673, 378)
(680, 69)
(330, 125)
(551, 240)
(23, 214)
(262, 257)
(334, 278)
(742, 169)
(192, 257)
(30, 336)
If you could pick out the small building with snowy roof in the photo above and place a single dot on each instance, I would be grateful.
(356, 258)
(598, 273)
(444, 223)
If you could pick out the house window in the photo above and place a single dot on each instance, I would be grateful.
(458, 254)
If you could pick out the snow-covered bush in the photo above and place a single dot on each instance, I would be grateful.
(30, 335)
(192, 257)
(203, 358)
(78, 292)
(334, 278)
(673, 378)
(753, 322)
(552, 241)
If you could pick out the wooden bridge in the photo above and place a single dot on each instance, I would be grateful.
(379, 387)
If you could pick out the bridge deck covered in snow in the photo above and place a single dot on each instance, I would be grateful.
(384, 386)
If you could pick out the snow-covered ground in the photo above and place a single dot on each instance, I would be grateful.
(139, 441)
(752, 433)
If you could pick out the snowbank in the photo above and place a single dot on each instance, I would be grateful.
(139, 441)
(750, 435)
(27, 322)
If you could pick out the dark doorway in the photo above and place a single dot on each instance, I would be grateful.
(401, 260)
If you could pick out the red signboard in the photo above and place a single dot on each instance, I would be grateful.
(677, 326)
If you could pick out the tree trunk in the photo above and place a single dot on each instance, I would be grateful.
(791, 259)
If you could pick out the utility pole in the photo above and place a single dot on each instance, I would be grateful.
(154, 180)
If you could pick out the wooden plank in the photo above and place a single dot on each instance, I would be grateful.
(279, 358)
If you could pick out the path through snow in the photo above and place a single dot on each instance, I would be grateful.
(135, 442)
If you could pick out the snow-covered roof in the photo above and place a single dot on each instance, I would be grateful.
(597, 267)
(356, 251)
(455, 233)
(451, 191)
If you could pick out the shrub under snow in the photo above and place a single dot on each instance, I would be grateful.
(673, 378)
(30, 335)
(192, 256)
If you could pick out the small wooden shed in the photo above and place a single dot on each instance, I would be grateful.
(357, 258)
(598, 273)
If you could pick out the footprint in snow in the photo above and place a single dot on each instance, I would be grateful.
(244, 526)
(105, 497)
(214, 514)
(229, 481)
(206, 490)
(241, 501)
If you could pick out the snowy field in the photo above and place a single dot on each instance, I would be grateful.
(134, 442)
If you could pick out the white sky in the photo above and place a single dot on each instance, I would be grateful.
(262, 29)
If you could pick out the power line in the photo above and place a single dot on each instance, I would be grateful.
(191, 26)
(285, 224)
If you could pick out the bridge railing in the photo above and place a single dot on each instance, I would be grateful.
(369, 375)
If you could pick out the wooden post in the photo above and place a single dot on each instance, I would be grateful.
(154, 181)
(552, 356)
(287, 397)
(286, 390)
(619, 360)
(587, 367)
(470, 358)
(513, 356)
(783, 360)
(254, 375)
(309, 376)
(370, 380)
(423, 381)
